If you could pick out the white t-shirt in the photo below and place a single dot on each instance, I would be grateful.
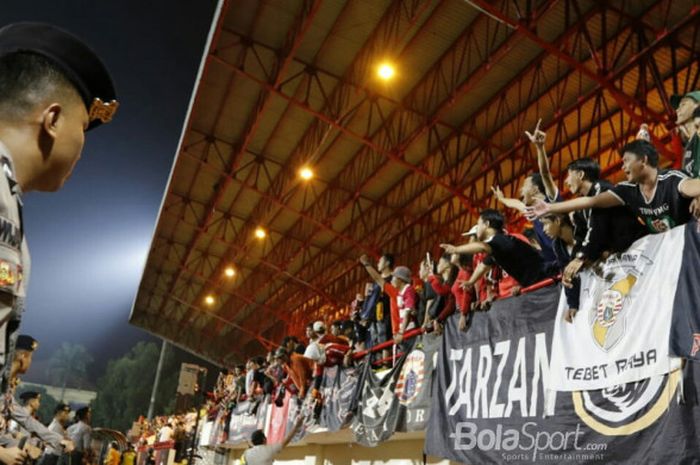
(314, 352)
(262, 455)
(166, 433)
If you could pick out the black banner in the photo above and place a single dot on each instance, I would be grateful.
(489, 400)
(337, 389)
(414, 384)
(685, 325)
(376, 413)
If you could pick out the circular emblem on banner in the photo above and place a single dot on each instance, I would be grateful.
(627, 408)
(609, 306)
(410, 380)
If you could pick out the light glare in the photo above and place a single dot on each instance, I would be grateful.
(230, 272)
(260, 233)
(209, 300)
(306, 173)
(386, 71)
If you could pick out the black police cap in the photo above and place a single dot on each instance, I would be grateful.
(25, 342)
(61, 407)
(73, 57)
(29, 395)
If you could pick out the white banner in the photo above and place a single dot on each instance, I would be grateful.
(621, 331)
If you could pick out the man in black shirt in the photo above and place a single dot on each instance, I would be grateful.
(596, 230)
(518, 258)
(660, 199)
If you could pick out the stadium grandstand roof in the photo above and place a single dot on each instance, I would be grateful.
(396, 164)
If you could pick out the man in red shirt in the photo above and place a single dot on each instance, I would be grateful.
(382, 278)
(441, 281)
(461, 289)
(406, 301)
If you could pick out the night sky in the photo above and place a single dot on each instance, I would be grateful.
(89, 241)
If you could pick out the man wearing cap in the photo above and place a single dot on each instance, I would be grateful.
(31, 400)
(61, 415)
(313, 350)
(53, 88)
(24, 351)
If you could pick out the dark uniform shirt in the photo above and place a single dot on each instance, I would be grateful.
(666, 209)
(582, 218)
(518, 259)
(597, 230)
(691, 157)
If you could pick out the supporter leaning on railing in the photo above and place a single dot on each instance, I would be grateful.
(661, 199)
(384, 313)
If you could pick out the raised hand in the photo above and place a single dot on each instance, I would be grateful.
(537, 137)
(364, 260)
(497, 192)
(449, 248)
(643, 133)
(536, 210)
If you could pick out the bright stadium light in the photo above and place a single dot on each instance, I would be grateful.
(306, 173)
(386, 71)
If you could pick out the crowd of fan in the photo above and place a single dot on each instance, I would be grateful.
(566, 236)
(176, 429)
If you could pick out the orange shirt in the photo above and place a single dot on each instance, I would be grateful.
(393, 293)
(300, 369)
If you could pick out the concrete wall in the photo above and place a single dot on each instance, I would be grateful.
(397, 452)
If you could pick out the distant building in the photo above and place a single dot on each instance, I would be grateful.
(73, 397)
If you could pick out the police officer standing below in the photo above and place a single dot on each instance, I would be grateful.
(30, 400)
(58, 425)
(81, 434)
(26, 345)
(53, 88)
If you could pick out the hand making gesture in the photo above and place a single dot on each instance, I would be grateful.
(538, 136)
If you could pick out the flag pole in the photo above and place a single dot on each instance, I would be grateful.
(156, 382)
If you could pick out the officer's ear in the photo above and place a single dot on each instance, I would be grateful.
(51, 119)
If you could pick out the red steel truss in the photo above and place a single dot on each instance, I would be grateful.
(400, 167)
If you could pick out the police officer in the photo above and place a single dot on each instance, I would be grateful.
(30, 400)
(24, 351)
(58, 425)
(81, 435)
(53, 88)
